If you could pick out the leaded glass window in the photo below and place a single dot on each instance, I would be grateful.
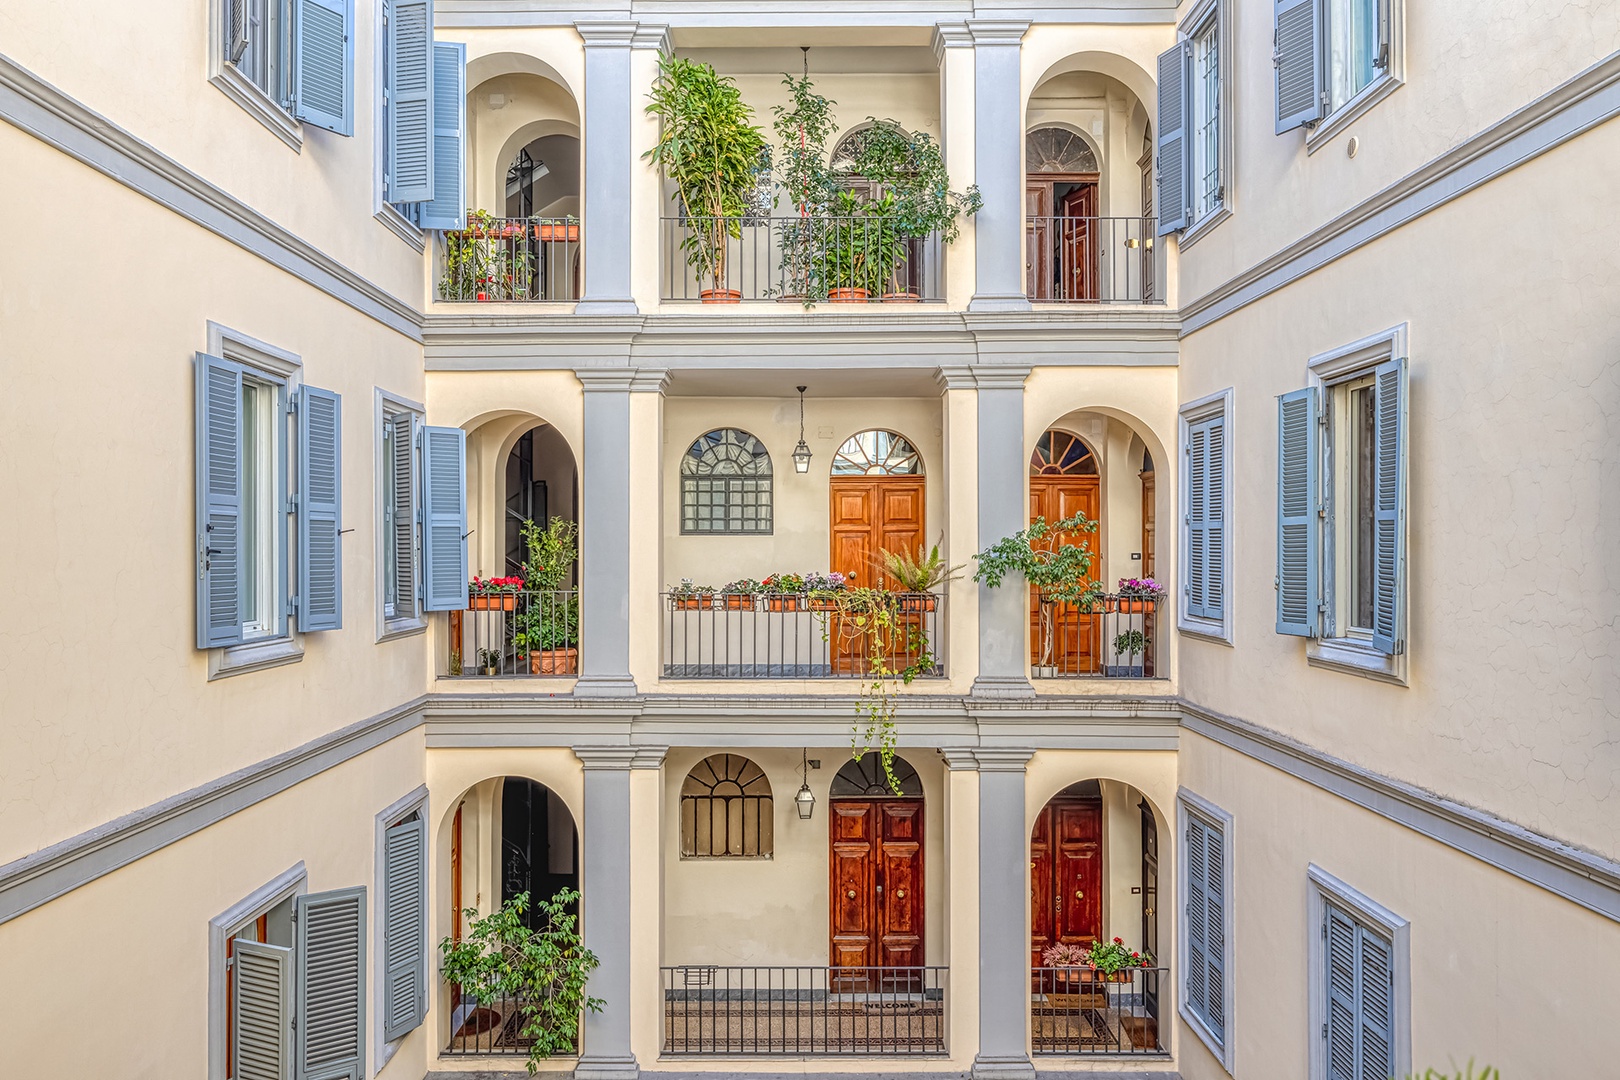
(877, 453)
(726, 484)
(726, 810)
(1060, 454)
(1057, 150)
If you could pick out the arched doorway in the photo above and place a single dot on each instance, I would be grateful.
(908, 276)
(1064, 481)
(539, 844)
(876, 861)
(541, 483)
(1060, 194)
(542, 184)
(877, 503)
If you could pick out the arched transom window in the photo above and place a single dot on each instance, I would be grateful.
(1060, 454)
(849, 148)
(726, 810)
(726, 484)
(1057, 150)
(877, 453)
(864, 778)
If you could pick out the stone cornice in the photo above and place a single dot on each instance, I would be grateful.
(997, 31)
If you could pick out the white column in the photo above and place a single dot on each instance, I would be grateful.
(1003, 468)
(1003, 940)
(605, 542)
(998, 168)
(605, 921)
(953, 48)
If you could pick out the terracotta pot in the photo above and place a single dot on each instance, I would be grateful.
(509, 231)
(554, 662)
(789, 602)
(821, 603)
(918, 602)
(720, 296)
(847, 296)
(1131, 605)
(693, 603)
(739, 602)
(493, 602)
(553, 231)
(901, 298)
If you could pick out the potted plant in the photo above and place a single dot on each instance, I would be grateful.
(909, 168)
(1136, 596)
(918, 575)
(489, 660)
(783, 591)
(802, 133)
(739, 595)
(1058, 571)
(493, 594)
(690, 597)
(1128, 643)
(861, 249)
(557, 231)
(713, 153)
(1098, 962)
(821, 590)
(551, 622)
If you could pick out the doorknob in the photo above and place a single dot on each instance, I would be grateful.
(1078, 895)
(852, 894)
(899, 894)
(1147, 911)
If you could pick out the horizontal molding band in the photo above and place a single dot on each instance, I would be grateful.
(32, 105)
(729, 14)
(37, 879)
(1589, 99)
(1578, 876)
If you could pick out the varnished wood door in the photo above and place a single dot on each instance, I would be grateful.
(1149, 559)
(873, 513)
(1065, 858)
(1074, 636)
(1150, 901)
(1077, 246)
(1038, 240)
(876, 904)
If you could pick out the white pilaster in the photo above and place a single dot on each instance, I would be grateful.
(998, 151)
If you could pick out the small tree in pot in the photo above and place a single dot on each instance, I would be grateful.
(550, 624)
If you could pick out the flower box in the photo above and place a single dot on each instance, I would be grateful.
(493, 602)
(556, 230)
(918, 602)
(693, 603)
(739, 601)
(1132, 605)
(821, 602)
(784, 602)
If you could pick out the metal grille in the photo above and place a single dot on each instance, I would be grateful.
(1076, 1011)
(726, 809)
(726, 504)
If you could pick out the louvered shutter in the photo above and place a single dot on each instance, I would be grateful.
(1297, 56)
(1197, 978)
(238, 29)
(1196, 588)
(219, 502)
(320, 496)
(448, 208)
(403, 526)
(1389, 507)
(1341, 996)
(410, 96)
(1175, 68)
(404, 914)
(1215, 929)
(1215, 519)
(261, 1020)
(323, 64)
(330, 1009)
(1375, 1031)
(1298, 528)
(444, 519)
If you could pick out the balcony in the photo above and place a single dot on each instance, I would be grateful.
(522, 260)
(515, 634)
(1116, 638)
(1093, 260)
(1079, 1011)
(859, 259)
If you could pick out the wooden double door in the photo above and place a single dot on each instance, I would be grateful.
(1061, 245)
(872, 514)
(1061, 636)
(876, 903)
(1065, 874)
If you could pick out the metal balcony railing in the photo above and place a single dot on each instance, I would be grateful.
(511, 259)
(1077, 1011)
(486, 1025)
(804, 1011)
(1093, 260)
(1116, 638)
(515, 634)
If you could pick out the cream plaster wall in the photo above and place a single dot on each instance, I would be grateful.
(532, 106)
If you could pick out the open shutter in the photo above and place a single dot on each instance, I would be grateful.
(1375, 1030)
(403, 471)
(1297, 56)
(1215, 929)
(261, 1021)
(330, 1008)
(444, 519)
(323, 64)
(404, 914)
(1175, 66)
(1389, 507)
(238, 29)
(410, 96)
(1197, 979)
(448, 208)
(219, 502)
(320, 495)
(1197, 585)
(1298, 527)
(1215, 519)
(1341, 996)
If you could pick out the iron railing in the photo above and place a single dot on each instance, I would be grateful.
(799, 636)
(862, 259)
(1093, 260)
(488, 1024)
(515, 634)
(511, 259)
(804, 1011)
(1077, 1011)
(1116, 638)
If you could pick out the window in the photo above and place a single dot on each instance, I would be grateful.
(1192, 140)
(401, 934)
(1206, 120)
(286, 61)
(399, 426)
(257, 44)
(726, 484)
(1360, 984)
(1333, 60)
(726, 810)
(1206, 536)
(1353, 57)
(877, 453)
(1206, 938)
(260, 447)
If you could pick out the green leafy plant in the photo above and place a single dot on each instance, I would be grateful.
(709, 147)
(550, 620)
(784, 583)
(1488, 1073)
(862, 245)
(925, 571)
(909, 168)
(479, 264)
(455, 663)
(489, 660)
(1058, 570)
(688, 588)
(543, 970)
(743, 587)
(1128, 643)
(1108, 957)
(803, 130)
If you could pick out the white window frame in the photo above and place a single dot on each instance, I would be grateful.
(1189, 803)
(1325, 889)
(264, 107)
(388, 626)
(1335, 648)
(384, 211)
(283, 645)
(284, 886)
(414, 803)
(1198, 20)
(1221, 403)
(1388, 79)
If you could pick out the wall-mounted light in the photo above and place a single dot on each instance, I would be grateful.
(805, 800)
(801, 463)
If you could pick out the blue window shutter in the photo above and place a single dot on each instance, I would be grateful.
(1389, 507)
(448, 208)
(219, 502)
(1341, 1022)
(444, 519)
(1298, 526)
(1296, 55)
(403, 477)
(329, 1007)
(1197, 976)
(1215, 930)
(1197, 585)
(323, 64)
(1375, 1030)
(410, 115)
(320, 517)
(1215, 519)
(261, 1036)
(1175, 65)
(404, 915)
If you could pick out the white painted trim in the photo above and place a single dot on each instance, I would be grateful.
(401, 226)
(1221, 403)
(257, 655)
(1325, 889)
(1190, 24)
(243, 90)
(291, 882)
(388, 627)
(1190, 803)
(401, 808)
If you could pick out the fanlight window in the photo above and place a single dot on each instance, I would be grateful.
(877, 453)
(1060, 454)
(847, 151)
(726, 810)
(726, 484)
(864, 778)
(1057, 150)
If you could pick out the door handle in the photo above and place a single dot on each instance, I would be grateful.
(852, 894)
(1078, 895)
(900, 894)
(1148, 911)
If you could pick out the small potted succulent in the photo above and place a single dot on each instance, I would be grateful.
(740, 594)
(688, 596)
(783, 592)
(1137, 595)
(493, 594)
(489, 660)
(821, 589)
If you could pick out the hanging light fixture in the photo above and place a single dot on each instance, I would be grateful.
(805, 800)
(801, 453)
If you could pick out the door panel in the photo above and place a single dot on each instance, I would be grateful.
(1038, 241)
(900, 890)
(1077, 828)
(1040, 886)
(877, 855)
(853, 924)
(1076, 646)
(1077, 246)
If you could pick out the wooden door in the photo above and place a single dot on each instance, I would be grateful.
(1149, 560)
(876, 905)
(1150, 902)
(1038, 240)
(1065, 866)
(873, 513)
(1069, 639)
(1077, 246)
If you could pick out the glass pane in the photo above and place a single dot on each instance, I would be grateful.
(251, 434)
(1363, 402)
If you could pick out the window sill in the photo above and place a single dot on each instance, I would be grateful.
(401, 628)
(1207, 629)
(1350, 112)
(1196, 231)
(261, 106)
(1196, 1026)
(400, 226)
(253, 656)
(1356, 658)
